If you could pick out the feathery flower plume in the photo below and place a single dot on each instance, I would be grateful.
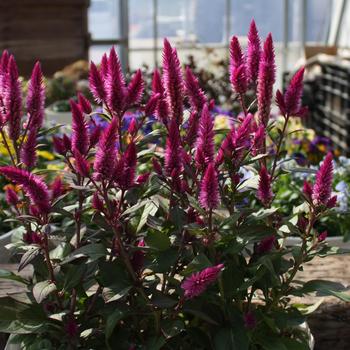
(292, 97)
(115, 84)
(142, 178)
(322, 236)
(205, 141)
(36, 98)
(3, 72)
(135, 89)
(307, 190)
(152, 104)
(253, 53)
(332, 202)
(105, 159)
(258, 140)
(266, 244)
(84, 104)
(96, 83)
(133, 127)
(157, 167)
(162, 111)
(97, 202)
(197, 283)
(80, 135)
(192, 130)
(82, 166)
(11, 196)
(226, 147)
(13, 100)
(95, 136)
(250, 321)
(209, 196)
(173, 82)
(238, 75)
(264, 192)
(322, 189)
(32, 185)
(157, 84)
(173, 150)
(129, 160)
(239, 79)
(194, 92)
(266, 80)
(56, 188)
(28, 151)
(236, 55)
(104, 66)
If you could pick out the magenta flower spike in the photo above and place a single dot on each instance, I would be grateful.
(4, 60)
(236, 54)
(209, 196)
(266, 80)
(104, 66)
(36, 98)
(96, 82)
(84, 104)
(192, 130)
(115, 85)
(238, 74)
(33, 186)
(253, 53)
(173, 83)
(307, 190)
(152, 104)
(205, 140)
(157, 84)
(258, 140)
(266, 244)
(135, 90)
(173, 150)
(292, 97)
(193, 90)
(82, 166)
(97, 202)
(13, 100)
(129, 161)
(264, 192)
(80, 135)
(56, 188)
(28, 151)
(11, 197)
(105, 159)
(197, 283)
(322, 189)
(239, 79)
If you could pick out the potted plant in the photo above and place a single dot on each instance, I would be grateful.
(155, 241)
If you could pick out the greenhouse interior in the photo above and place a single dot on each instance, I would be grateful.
(174, 174)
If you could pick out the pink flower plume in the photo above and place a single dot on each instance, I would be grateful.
(209, 196)
(197, 283)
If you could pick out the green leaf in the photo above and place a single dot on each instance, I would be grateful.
(325, 288)
(199, 263)
(112, 321)
(150, 208)
(8, 275)
(158, 240)
(74, 276)
(162, 301)
(92, 251)
(28, 257)
(230, 339)
(42, 289)
(172, 328)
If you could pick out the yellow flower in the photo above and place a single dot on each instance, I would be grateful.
(55, 166)
(46, 155)
(322, 148)
(221, 122)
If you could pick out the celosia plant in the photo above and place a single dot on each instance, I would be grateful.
(136, 246)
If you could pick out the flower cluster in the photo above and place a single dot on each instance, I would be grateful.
(145, 241)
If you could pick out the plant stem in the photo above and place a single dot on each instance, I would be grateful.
(279, 146)
(7, 146)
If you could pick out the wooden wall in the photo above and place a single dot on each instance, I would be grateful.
(52, 31)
